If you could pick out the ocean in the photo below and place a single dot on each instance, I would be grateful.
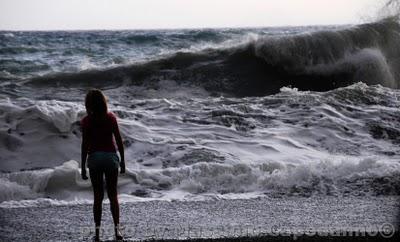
(205, 113)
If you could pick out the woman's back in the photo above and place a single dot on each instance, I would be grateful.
(99, 132)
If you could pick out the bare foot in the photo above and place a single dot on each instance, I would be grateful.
(118, 235)
(96, 238)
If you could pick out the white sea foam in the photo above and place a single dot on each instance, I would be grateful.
(62, 185)
(343, 142)
(37, 130)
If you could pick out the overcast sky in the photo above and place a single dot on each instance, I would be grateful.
(149, 14)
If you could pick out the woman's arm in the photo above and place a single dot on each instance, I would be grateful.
(84, 152)
(120, 145)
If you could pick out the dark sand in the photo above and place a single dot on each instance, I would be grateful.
(261, 219)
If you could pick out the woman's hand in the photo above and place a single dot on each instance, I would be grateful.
(83, 174)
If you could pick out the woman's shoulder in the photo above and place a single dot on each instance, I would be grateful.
(84, 119)
(112, 116)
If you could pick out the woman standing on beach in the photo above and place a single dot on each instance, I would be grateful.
(98, 148)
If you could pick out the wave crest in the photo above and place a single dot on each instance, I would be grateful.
(319, 61)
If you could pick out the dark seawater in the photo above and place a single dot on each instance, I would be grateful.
(294, 111)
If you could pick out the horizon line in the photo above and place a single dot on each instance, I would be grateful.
(179, 28)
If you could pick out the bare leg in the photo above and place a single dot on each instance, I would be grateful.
(96, 178)
(112, 181)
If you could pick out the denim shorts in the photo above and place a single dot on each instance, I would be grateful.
(103, 161)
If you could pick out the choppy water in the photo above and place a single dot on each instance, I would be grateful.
(206, 113)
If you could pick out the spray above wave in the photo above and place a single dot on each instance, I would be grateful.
(318, 61)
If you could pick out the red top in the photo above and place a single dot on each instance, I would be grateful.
(99, 133)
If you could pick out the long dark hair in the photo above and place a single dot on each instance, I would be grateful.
(96, 104)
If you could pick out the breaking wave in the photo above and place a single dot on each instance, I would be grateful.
(318, 61)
